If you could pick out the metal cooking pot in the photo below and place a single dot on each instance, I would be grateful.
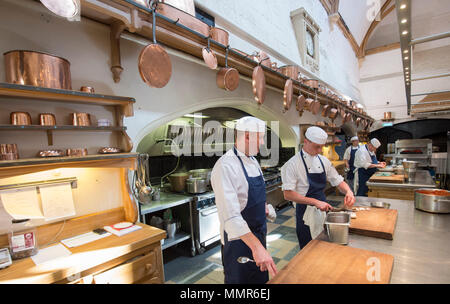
(201, 173)
(432, 200)
(178, 181)
(37, 69)
(196, 185)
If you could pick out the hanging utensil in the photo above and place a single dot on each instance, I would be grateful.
(209, 57)
(259, 84)
(155, 66)
(325, 110)
(287, 95)
(301, 102)
(227, 78)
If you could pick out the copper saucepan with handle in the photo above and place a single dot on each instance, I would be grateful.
(227, 78)
(287, 95)
(155, 66)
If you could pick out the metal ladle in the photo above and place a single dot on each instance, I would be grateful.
(243, 260)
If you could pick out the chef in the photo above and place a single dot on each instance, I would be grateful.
(240, 194)
(349, 158)
(304, 178)
(366, 165)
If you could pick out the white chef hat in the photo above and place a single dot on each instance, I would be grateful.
(375, 142)
(354, 138)
(250, 124)
(316, 135)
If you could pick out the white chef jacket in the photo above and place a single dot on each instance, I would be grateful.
(231, 191)
(347, 153)
(293, 174)
(362, 157)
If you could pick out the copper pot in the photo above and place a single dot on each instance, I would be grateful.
(290, 71)
(228, 79)
(20, 118)
(313, 83)
(77, 152)
(47, 119)
(37, 69)
(219, 35)
(87, 89)
(325, 110)
(333, 113)
(81, 119)
(264, 59)
(315, 107)
(9, 151)
(387, 115)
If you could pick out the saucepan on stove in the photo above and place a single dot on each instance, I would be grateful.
(196, 185)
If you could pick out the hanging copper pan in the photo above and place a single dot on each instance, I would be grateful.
(154, 63)
(301, 103)
(325, 110)
(259, 84)
(227, 78)
(333, 113)
(315, 107)
(287, 96)
(358, 121)
(209, 57)
(308, 104)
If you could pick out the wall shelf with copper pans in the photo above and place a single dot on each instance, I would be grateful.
(184, 32)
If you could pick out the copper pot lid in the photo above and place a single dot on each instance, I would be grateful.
(210, 58)
(155, 65)
(259, 84)
(287, 96)
(301, 102)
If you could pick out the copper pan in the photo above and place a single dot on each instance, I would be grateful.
(209, 57)
(37, 69)
(315, 107)
(287, 95)
(219, 35)
(81, 119)
(313, 83)
(333, 113)
(290, 71)
(184, 18)
(325, 110)
(9, 152)
(155, 66)
(259, 84)
(48, 119)
(264, 59)
(309, 104)
(358, 121)
(227, 78)
(20, 118)
(301, 103)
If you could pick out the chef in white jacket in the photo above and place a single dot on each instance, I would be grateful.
(304, 178)
(240, 195)
(366, 165)
(349, 158)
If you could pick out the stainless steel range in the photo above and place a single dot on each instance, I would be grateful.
(205, 220)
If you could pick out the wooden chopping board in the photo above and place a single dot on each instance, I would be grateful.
(328, 263)
(397, 179)
(376, 222)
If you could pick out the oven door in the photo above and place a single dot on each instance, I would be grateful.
(209, 226)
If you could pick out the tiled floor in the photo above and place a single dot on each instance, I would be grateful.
(282, 243)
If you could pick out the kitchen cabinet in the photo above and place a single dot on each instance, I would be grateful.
(103, 188)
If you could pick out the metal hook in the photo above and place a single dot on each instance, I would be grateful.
(226, 55)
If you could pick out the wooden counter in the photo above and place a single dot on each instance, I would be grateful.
(133, 258)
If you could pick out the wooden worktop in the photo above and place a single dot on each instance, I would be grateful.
(84, 259)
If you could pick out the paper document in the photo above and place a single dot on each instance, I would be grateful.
(50, 254)
(57, 201)
(83, 239)
(22, 203)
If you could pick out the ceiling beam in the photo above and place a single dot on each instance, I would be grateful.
(383, 48)
(384, 11)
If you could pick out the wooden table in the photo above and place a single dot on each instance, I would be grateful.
(132, 258)
(322, 262)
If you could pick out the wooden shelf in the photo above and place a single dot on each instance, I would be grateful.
(59, 128)
(10, 168)
(58, 95)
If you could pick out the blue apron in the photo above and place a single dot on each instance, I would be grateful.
(254, 214)
(364, 175)
(351, 163)
(317, 183)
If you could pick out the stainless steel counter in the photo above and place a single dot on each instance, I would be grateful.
(421, 244)
(167, 200)
(423, 180)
